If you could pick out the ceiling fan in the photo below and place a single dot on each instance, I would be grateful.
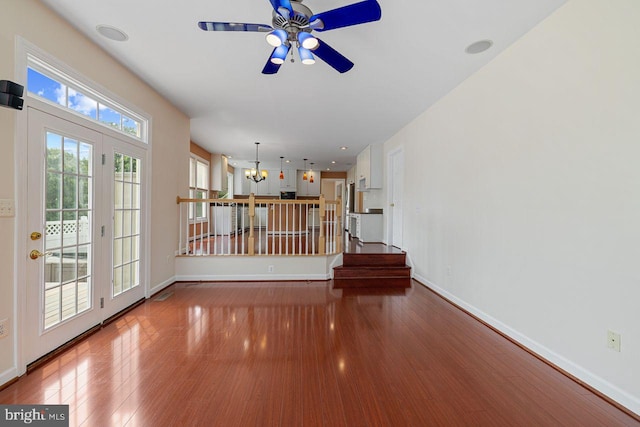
(293, 24)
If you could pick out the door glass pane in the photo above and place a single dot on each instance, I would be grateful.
(126, 224)
(68, 225)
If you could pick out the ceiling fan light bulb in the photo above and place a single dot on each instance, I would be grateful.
(279, 54)
(305, 56)
(307, 40)
(276, 37)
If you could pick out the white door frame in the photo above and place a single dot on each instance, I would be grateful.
(21, 156)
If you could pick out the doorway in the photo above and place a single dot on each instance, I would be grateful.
(395, 192)
(84, 220)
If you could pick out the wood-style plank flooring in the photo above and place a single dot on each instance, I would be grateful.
(303, 354)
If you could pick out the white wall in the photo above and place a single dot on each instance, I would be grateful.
(170, 132)
(525, 181)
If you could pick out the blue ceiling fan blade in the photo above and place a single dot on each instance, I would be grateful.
(278, 4)
(332, 57)
(233, 26)
(353, 14)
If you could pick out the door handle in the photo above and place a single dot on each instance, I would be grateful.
(36, 235)
(35, 254)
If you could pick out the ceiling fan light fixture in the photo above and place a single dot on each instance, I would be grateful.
(276, 37)
(306, 56)
(279, 54)
(307, 40)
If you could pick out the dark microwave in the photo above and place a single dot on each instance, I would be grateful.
(287, 195)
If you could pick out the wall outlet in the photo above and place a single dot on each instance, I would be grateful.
(448, 270)
(613, 340)
(4, 328)
(270, 269)
(7, 208)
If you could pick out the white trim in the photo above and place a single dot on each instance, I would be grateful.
(24, 49)
(160, 286)
(251, 277)
(8, 375)
(622, 397)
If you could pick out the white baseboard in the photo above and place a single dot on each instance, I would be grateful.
(622, 397)
(160, 286)
(8, 375)
(251, 277)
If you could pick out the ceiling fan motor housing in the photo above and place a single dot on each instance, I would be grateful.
(296, 23)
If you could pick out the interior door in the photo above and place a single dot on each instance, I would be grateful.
(396, 164)
(63, 278)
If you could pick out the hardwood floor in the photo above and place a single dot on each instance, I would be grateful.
(301, 353)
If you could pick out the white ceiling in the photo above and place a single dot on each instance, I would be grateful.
(403, 64)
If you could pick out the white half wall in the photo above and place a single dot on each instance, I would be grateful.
(226, 268)
(522, 192)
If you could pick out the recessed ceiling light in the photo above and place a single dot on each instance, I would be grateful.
(328, 169)
(287, 161)
(478, 47)
(112, 33)
(343, 148)
(333, 162)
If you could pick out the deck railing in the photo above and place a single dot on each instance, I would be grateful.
(260, 227)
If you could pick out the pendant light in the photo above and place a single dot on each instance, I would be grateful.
(311, 172)
(281, 173)
(304, 174)
(256, 174)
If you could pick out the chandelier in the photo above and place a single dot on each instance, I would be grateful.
(256, 174)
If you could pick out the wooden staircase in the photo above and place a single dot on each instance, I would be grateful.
(372, 270)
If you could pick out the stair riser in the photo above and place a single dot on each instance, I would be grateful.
(373, 259)
(364, 272)
(372, 283)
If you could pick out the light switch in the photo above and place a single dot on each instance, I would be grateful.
(7, 208)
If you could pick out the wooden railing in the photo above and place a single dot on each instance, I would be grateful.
(260, 227)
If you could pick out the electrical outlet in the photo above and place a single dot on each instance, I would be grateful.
(613, 340)
(270, 269)
(448, 270)
(4, 328)
(7, 209)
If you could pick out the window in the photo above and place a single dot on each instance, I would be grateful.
(52, 86)
(198, 187)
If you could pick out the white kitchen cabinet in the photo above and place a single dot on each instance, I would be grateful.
(308, 188)
(289, 181)
(219, 168)
(244, 186)
(273, 183)
(369, 168)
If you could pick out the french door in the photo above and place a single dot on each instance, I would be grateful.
(84, 219)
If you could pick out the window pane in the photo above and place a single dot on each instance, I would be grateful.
(131, 126)
(53, 190)
(54, 152)
(45, 87)
(56, 87)
(69, 192)
(85, 159)
(70, 160)
(83, 104)
(110, 117)
(203, 175)
(192, 172)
